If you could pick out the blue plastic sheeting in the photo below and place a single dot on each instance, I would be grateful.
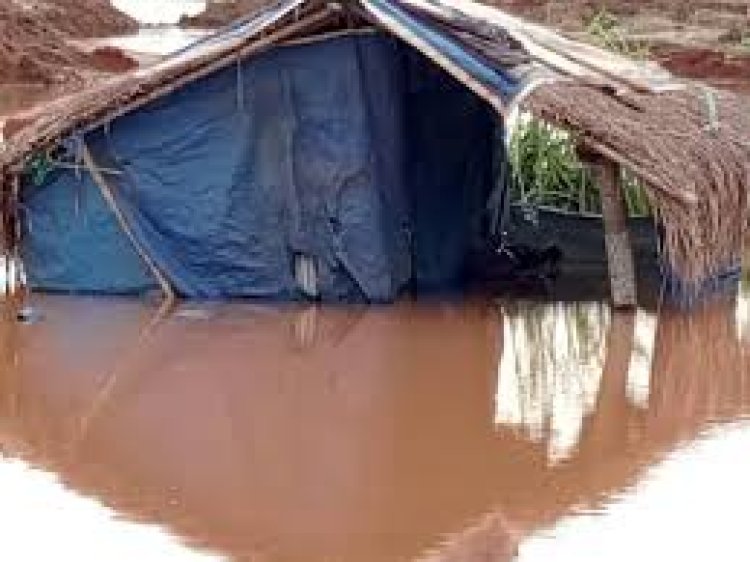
(352, 151)
(449, 149)
(74, 243)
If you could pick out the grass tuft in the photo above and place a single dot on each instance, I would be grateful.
(605, 30)
(548, 173)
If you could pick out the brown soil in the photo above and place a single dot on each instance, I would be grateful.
(34, 36)
(714, 67)
(112, 60)
(82, 18)
(219, 14)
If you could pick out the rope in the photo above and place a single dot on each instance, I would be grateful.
(240, 87)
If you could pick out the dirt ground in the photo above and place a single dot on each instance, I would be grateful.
(707, 40)
(34, 36)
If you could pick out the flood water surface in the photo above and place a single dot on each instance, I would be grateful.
(420, 432)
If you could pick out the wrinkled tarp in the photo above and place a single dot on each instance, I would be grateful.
(355, 151)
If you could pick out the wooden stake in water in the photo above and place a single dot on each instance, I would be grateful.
(616, 235)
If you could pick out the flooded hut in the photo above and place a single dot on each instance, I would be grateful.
(349, 150)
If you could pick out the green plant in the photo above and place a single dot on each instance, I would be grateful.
(736, 36)
(548, 173)
(605, 30)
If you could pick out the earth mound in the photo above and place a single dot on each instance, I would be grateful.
(35, 38)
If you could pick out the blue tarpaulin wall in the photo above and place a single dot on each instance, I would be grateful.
(354, 151)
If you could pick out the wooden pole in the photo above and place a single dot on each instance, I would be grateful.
(21, 290)
(616, 235)
(5, 236)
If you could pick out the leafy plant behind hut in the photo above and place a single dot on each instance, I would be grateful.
(549, 174)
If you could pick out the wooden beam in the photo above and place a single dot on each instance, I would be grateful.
(616, 236)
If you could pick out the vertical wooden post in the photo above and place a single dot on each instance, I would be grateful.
(616, 236)
(5, 235)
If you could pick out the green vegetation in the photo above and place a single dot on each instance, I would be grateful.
(736, 36)
(604, 30)
(38, 168)
(548, 173)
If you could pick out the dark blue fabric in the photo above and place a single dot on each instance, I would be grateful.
(450, 146)
(301, 150)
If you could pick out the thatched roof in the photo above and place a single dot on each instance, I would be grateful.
(691, 147)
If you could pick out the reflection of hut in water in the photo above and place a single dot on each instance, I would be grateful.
(246, 429)
(551, 369)
(349, 151)
(660, 381)
(339, 433)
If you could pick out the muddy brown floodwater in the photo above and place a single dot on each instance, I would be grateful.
(475, 431)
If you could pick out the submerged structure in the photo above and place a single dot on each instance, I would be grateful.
(350, 150)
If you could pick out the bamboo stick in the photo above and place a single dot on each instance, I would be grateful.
(19, 283)
(326, 35)
(5, 234)
(109, 197)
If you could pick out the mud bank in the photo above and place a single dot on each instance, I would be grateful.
(34, 39)
(723, 70)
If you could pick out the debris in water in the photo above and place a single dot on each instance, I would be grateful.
(28, 315)
(195, 314)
